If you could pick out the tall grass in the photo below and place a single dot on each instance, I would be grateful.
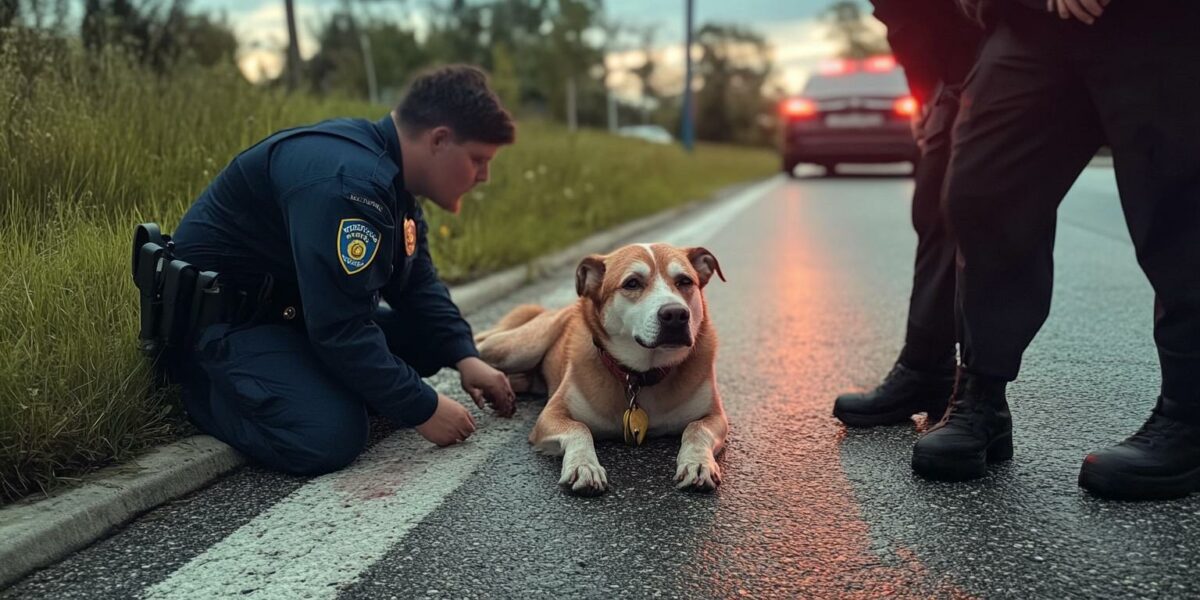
(90, 146)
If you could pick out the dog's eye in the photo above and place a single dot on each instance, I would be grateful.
(632, 283)
(683, 282)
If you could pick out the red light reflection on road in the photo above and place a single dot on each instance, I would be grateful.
(784, 484)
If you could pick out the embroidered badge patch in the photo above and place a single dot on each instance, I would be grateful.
(357, 242)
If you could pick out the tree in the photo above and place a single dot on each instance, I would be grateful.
(293, 51)
(9, 11)
(734, 67)
(156, 39)
(339, 66)
(645, 71)
(848, 26)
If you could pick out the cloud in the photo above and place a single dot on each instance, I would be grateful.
(263, 38)
(798, 48)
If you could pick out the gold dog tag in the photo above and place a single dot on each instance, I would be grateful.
(636, 423)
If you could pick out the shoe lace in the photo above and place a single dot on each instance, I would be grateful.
(1158, 430)
(960, 411)
(893, 379)
(957, 410)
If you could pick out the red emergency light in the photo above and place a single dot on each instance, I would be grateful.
(798, 108)
(880, 64)
(838, 66)
(906, 106)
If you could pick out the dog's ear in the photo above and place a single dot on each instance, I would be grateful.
(589, 275)
(705, 264)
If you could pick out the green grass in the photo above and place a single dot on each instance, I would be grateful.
(89, 148)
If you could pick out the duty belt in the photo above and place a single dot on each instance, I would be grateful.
(178, 300)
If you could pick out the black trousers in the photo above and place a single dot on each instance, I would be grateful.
(1043, 97)
(264, 391)
(931, 334)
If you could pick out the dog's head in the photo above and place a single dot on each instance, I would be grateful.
(646, 301)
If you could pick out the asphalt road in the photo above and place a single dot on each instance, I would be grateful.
(819, 274)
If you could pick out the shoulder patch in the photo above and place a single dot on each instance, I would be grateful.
(357, 243)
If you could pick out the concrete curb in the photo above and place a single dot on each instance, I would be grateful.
(37, 532)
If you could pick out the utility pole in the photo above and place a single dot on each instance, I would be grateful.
(612, 110)
(364, 42)
(686, 130)
(293, 51)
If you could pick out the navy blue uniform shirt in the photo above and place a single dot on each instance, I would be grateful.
(324, 208)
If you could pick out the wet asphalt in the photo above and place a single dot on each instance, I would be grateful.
(819, 274)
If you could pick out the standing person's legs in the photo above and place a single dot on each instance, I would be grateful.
(1025, 130)
(263, 391)
(1147, 91)
(923, 376)
(930, 337)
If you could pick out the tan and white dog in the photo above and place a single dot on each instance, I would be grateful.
(639, 337)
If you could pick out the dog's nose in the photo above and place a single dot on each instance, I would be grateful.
(673, 315)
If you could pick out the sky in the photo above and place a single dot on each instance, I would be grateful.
(790, 26)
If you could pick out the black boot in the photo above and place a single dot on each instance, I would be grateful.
(976, 430)
(902, 394)
(1160, 461)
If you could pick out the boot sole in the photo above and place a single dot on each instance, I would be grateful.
(959, 468)
(868, 420)
(1129, 486)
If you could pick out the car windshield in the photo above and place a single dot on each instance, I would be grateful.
(889, 83)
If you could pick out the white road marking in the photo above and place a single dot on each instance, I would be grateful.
(318, 540)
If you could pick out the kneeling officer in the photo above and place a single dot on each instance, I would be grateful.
(307, 230)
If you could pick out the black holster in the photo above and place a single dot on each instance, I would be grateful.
(175, 296)
(178, 300)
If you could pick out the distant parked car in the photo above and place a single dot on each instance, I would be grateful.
(851, 111)
(650, 133)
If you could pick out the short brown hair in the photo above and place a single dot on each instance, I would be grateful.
(458, 97)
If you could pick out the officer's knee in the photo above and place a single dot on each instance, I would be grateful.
(329, 448)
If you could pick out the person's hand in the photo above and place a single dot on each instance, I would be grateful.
(487, 385)
(918, 126)
(450, 423)
(1086, 11)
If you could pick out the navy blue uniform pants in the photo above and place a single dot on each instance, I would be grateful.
(932, 332)
(262, 390)
(1043, 97)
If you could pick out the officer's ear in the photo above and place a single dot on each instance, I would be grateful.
(589, 275)
(439, 138)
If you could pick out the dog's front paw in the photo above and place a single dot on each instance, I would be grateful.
(586, 478)
(702, 475)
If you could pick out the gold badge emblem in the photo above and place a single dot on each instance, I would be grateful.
(357, 249)
(410, 237)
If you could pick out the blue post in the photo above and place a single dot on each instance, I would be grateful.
(687, 131)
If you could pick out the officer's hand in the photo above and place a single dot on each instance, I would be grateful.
(1086, 11)
(487, 385)
(450, 423)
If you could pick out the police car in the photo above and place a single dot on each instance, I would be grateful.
(854, 111)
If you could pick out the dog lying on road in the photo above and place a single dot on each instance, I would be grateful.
(634, 356)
